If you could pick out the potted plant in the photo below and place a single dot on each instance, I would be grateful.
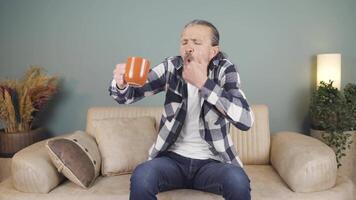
(20, 103)
(331, 119)
(350, 98)
(349, 161)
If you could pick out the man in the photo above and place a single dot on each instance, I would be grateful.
(194, 148)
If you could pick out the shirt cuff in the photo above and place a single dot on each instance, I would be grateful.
(210, 91)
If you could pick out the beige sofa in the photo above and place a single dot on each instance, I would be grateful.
(283, 165)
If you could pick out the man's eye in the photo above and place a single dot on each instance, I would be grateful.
(197, 43)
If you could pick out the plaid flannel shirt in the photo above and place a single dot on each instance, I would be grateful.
(221, 99)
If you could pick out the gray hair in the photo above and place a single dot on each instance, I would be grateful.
(215, 33)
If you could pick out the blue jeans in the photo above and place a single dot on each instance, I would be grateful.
(171, 171)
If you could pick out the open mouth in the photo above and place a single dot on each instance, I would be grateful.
(188, 58)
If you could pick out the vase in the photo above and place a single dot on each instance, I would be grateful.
(10, 143)
(348, 162)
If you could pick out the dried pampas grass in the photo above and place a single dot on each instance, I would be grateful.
(20, 101)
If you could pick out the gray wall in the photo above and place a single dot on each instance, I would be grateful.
(274, 44)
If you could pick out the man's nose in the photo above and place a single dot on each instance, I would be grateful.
(189, 50)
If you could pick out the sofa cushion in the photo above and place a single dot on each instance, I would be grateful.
(77, 157)
(123, 142)
(266, 184)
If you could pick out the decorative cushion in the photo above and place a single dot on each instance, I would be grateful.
(32, 170)
(304, 163)
(77, 157)
(123, 142)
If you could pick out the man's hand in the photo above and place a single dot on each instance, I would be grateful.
(195, 72)
(119, 73)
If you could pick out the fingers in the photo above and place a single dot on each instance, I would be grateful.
(193, 64)
(121, 67)
(119, 73)
(185, 75)
(203, 62)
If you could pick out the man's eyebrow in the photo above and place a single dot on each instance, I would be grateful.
(185, 40)
(192, 39)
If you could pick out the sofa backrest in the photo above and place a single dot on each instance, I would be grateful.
(253, 146)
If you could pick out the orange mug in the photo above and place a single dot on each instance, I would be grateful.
(136, 71)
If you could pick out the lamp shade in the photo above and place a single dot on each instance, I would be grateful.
(329, 68)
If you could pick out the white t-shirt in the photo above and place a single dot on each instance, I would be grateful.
(189, 142)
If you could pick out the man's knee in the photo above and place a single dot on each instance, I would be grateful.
(144, 179)
(236, 184)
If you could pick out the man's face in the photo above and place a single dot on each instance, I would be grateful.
(196, 45)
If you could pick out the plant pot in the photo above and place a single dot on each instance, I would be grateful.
(10, 143)
(348, 162)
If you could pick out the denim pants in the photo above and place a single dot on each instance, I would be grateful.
(171, 171)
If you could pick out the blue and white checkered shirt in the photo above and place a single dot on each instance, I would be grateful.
(222, 100)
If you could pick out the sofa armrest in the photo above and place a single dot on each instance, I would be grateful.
(32, 169)
(303, 162)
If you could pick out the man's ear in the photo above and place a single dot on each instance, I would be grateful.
(214, 51)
